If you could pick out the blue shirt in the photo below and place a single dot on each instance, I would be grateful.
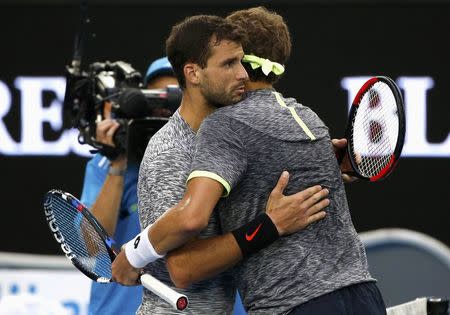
(114, 298)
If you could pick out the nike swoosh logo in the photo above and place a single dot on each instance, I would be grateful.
(251, 236)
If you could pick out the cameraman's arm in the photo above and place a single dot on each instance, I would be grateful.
(106, 206)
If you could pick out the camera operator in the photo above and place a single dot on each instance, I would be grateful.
(109, 190)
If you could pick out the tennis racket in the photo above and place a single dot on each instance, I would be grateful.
(375, 129)
(90, 249)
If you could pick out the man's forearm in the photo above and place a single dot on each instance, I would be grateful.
(106, 206)
(177, 225)
(186, 219)
(202, 259)
(174, 229)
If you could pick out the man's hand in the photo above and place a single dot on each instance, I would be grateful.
(339, 146)
(105, 130)
(295, 212)
(123, 272)
(104, 134)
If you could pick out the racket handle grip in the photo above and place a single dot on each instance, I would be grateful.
(177, 300)
(340, 154)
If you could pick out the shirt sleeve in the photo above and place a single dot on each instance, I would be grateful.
(94, 179)
(220, 153)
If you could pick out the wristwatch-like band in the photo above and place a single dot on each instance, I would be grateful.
(116, 172)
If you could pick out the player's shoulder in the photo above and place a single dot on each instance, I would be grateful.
(226, 113)
(243, 111)
(175, 131)
(220, 120)
(174, 139)
(254, 101)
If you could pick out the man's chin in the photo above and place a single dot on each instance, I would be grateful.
(237, 99)
(228, 102)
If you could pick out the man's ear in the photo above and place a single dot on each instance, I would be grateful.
(191, 73)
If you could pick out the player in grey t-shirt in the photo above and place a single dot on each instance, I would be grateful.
(212, 81)
(166, 163)
(244, 147)
(326, 256)
(162, 179)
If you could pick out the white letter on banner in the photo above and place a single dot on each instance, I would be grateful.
(34, 115)
(416, 143)
(7, 144)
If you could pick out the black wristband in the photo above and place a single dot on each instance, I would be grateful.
(256, 234)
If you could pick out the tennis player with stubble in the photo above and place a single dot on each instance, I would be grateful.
(240, 150)
(319, 270)
(206, 52)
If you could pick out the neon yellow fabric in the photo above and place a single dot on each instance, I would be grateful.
(295, 115)
(214, 176)
(266, 65)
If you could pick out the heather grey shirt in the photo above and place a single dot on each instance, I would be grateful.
(246, 147)
(162, 181)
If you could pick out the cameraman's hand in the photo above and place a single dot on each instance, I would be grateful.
(105, 131)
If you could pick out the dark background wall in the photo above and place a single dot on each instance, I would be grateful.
(331, 40)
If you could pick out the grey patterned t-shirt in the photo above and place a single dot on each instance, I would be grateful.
(246, 147)
(162, 181)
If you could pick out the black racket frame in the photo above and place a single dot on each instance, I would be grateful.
(92, 221)
(401, 125)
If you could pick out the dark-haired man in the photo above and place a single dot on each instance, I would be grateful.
(321, 269)
(239, 151)
(206, 54)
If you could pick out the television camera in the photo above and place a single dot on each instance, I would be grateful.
(137, 110)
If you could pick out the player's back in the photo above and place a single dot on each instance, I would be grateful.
(265, 137)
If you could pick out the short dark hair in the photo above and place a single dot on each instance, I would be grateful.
(189, 41)
(266, 36)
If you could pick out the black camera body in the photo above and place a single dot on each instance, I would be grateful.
(140, 112)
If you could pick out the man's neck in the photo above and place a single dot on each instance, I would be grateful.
(194, 108)
(257, 85)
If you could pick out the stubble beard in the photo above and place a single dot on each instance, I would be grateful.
(216, 96)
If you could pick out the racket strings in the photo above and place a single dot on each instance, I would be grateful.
(379, 154)
(81, 237)
(375, 130)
